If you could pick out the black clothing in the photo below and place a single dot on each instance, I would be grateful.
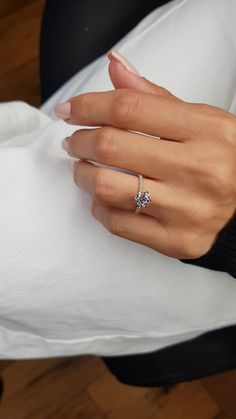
(73, 34)
(207, 354)
(222, 256)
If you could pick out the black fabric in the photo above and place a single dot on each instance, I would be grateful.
(73, 34)
(222, 255)
(208, 354)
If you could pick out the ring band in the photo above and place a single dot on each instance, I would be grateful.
(142, 199)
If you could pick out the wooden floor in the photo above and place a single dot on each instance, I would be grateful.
(19, 46)
(82, 387)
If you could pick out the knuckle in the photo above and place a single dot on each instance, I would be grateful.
(101, 186)
(220, 124)
(80, 106)
(206, 110)
(127, 106)
(221, 178)
(192, 246)
(203, 213)
(201, 168)
(106, 144)
(208, 212)
(227, 127)
(217, 173)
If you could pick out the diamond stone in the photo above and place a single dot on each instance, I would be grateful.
(142, 199)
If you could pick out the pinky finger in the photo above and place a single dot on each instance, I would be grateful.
(139, 228)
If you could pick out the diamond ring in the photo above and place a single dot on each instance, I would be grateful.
(142, 199)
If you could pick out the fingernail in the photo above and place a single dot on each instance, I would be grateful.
(65, 144)
(63, 110)
(123, 61)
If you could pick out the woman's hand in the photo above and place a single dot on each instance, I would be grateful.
(189, 171)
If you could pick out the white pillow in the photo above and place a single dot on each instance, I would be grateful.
(67, 285)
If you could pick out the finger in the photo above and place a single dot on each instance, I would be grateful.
(123, 78)
(117, 189)
(151, 232)
(136, 110)
(155, 158)
(138, 228)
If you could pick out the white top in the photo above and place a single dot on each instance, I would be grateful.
(67, 285)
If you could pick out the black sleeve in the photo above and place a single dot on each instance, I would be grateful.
(222, 255)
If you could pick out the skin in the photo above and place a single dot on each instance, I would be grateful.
(190, 170)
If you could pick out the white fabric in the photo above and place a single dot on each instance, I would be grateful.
(67, 285)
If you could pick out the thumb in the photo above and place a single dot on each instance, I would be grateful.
(124, 75)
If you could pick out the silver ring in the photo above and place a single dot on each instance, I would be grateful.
(142, 199)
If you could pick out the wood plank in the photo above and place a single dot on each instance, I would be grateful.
(222, 387)
(4, 364)
(22, 84)
(78, 407)
(19, 42)
(7, 7)
(19, 51)
(186, 400)
(41, 388)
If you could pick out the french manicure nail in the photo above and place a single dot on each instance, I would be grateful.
(63, 110)
(65, 144)
(123, 61)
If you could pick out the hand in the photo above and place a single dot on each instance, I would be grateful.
(189, 171)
